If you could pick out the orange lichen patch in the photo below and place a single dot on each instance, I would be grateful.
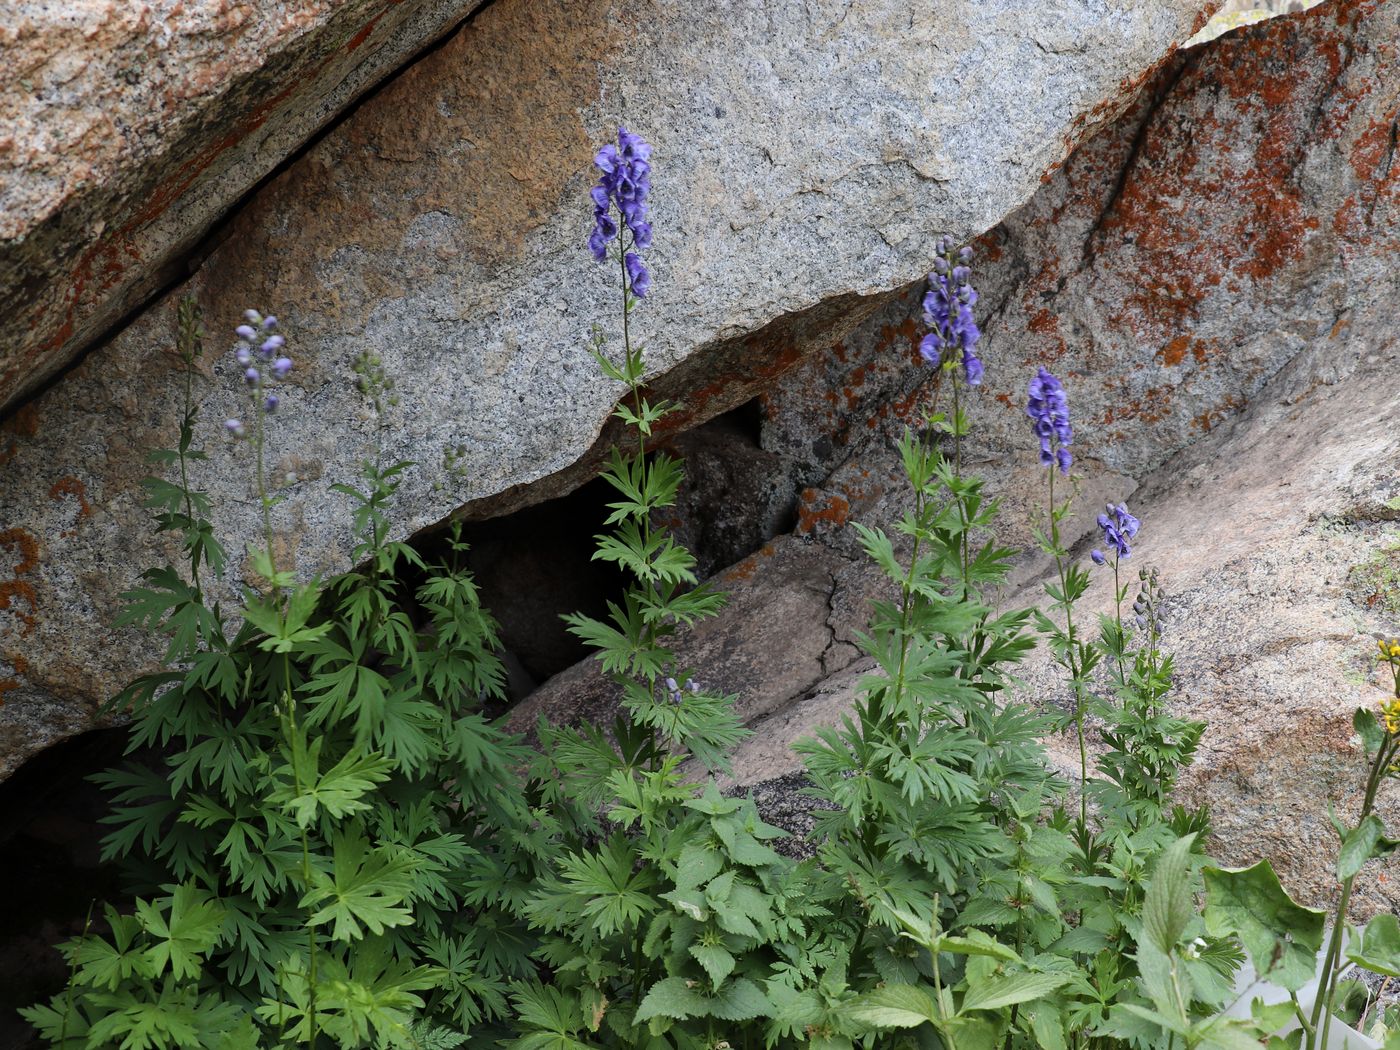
(363, 35)
(764, 369)
(20, 666)
(71, 486)
(1174, 352)
(1152, 407)
(745, 569)
(1211, 416)
(27, 547)
(815, 508)
(1201, 350)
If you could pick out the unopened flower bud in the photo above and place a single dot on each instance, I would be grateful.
(245, 333)
(252, 376)
(252, 317)
(234, 427)
(270, 405)
(244, 356)
(281, 367)
(272, 345)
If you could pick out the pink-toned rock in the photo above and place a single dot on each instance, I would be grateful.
(127, 127)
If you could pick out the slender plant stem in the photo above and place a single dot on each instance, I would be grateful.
(1118, 617)
(1327, 977)
(1073, 660)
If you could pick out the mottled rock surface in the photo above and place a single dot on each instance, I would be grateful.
(1214, 280)
(806, 154)
(127, 128)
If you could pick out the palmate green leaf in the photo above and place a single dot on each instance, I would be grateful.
(339, 791)
(62, 1024)
(368, 889)
(554, 1016)
(614, 895)
(183, 928)
(1282, 937)
(1011, 989)
(109, 964)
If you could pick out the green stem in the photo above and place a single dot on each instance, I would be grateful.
(1327, 977)
(907, 587)
(1073, 660)
(957, 473)
(185, 476)
(1118, 616)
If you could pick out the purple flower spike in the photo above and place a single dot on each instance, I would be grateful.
(948, 313)
(1048, 408)
(624, 184)
(1119, 526)
(638, 275)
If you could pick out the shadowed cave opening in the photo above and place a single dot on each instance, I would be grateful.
(50, 872)
(536, 564)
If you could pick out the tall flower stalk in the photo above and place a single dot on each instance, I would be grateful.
(1047, 405)
(263, 363)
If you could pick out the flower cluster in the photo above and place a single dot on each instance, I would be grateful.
(1147, 606)
(676, 693)
(948, 313)
(1118, 528)
(1390, 654)
(1048, 408)
(261, 360)
(624, 184)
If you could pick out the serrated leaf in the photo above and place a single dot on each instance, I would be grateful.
(1166, 908)
(716, 960)
(894, 1006)
(673, 997)
(1011, 989)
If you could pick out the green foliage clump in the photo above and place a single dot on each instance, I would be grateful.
(330, 845)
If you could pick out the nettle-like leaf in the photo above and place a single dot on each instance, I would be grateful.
(1282, 936)
(1167, 907)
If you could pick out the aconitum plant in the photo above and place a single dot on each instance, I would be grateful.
(952, 326)
(1118, 527)
(261, 360)
(1048, 408)
(624, 184)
